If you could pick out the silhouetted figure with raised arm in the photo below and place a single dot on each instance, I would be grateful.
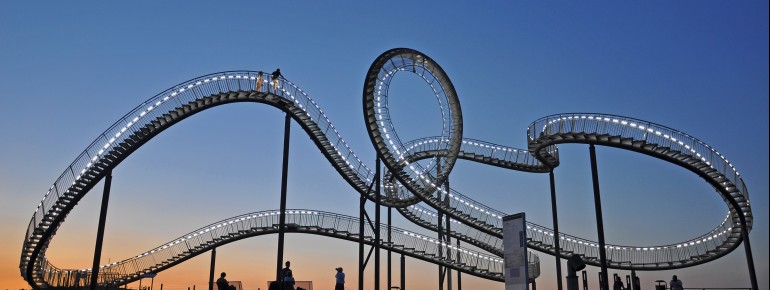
(339, 279)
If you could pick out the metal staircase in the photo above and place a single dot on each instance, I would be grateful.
(408, 181)
(244, 226)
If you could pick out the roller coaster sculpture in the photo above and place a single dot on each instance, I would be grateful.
(416, 174)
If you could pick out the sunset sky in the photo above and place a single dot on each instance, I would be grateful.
(68, 70)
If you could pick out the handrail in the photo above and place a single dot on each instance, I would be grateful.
(661, 142)
(265, 222)
(174, 104)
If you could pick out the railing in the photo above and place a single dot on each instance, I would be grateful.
(394, 150)
(167, 101)
(516, 158)
(651, 133)
(430, 217)
(309, 221)
(176, 97)
(98, 153)
(616, 254)
(638, 130)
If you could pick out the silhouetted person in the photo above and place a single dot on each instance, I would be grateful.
(259, 81)
(340, 279)
(675, 284)
(222, 283)
(618, 284)
(276, 75)
(285, 272)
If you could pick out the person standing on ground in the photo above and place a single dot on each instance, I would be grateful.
(340, 279)
(676, 284)
(285, 272)
(276, 76)
(618, 285)
(222, 283)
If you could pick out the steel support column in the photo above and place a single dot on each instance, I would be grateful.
(440, 231)
(100, 230)
(459, 278)
(746, 244)
(361, 217)
(211, 271)
(555, 215)
(284, 179)
(448, 236)
(440, 223)
(599, 221)
(390, 245)
(377, 223)
(747, 247)
(403, 272)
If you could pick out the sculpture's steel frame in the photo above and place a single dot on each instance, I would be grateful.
(407, 181)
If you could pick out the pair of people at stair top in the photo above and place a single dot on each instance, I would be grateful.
(276, 75)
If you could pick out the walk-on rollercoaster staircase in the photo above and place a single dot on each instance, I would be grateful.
(416, 174)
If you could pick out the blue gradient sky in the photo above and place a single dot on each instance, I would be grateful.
(68, 70)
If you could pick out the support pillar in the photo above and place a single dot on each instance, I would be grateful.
(377, 224)
(390, 243)
(403, 272)
(211, 271)
(448, 236)
(440, 224)
(599, 221)
(574, 264)
(440, 231)
(362, 217)
(459, 277)
(100, 230)
(284, 179)
(556, 238)
(746, 246)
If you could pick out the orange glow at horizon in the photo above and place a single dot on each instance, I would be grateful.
(253, 262)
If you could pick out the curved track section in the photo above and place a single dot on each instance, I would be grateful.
(159, 113)
(303, 221)
(551, 131)
(666, 144)
(411, 165)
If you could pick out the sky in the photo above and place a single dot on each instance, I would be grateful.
(68, 70)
